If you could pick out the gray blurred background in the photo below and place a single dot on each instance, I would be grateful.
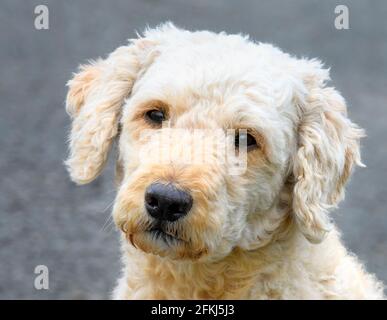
(45, 219)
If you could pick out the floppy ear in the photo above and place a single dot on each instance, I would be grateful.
(94, 101)
(328, 148)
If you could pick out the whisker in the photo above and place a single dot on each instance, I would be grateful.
(109, 220)
(108, 226)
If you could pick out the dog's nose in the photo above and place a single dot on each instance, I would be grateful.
(166, 202)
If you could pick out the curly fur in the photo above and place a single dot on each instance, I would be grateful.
(263, 234)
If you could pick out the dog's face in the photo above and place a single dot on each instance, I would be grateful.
(183, 106)
(184, 206)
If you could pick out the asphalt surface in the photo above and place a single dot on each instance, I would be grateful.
(45, 219)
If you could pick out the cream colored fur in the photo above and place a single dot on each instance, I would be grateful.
(264, 234)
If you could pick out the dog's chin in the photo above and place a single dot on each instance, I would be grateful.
(158, 242)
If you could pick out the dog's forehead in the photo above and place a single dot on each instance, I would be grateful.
(214, 63)
(210, 63)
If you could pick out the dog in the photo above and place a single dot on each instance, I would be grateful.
(196, 229)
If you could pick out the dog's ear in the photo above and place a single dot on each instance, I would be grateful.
(95, 97)
(328, 148)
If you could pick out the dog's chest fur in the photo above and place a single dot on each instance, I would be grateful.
(291, 270)
(230, 278)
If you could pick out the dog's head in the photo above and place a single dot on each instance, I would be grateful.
(178, 93)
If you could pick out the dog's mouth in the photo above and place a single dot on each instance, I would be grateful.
(165, 240)
(159, 233)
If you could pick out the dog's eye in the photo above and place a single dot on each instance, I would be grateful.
(243, 138)
(155, 116)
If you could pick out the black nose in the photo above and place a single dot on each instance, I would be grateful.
(166, 202)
